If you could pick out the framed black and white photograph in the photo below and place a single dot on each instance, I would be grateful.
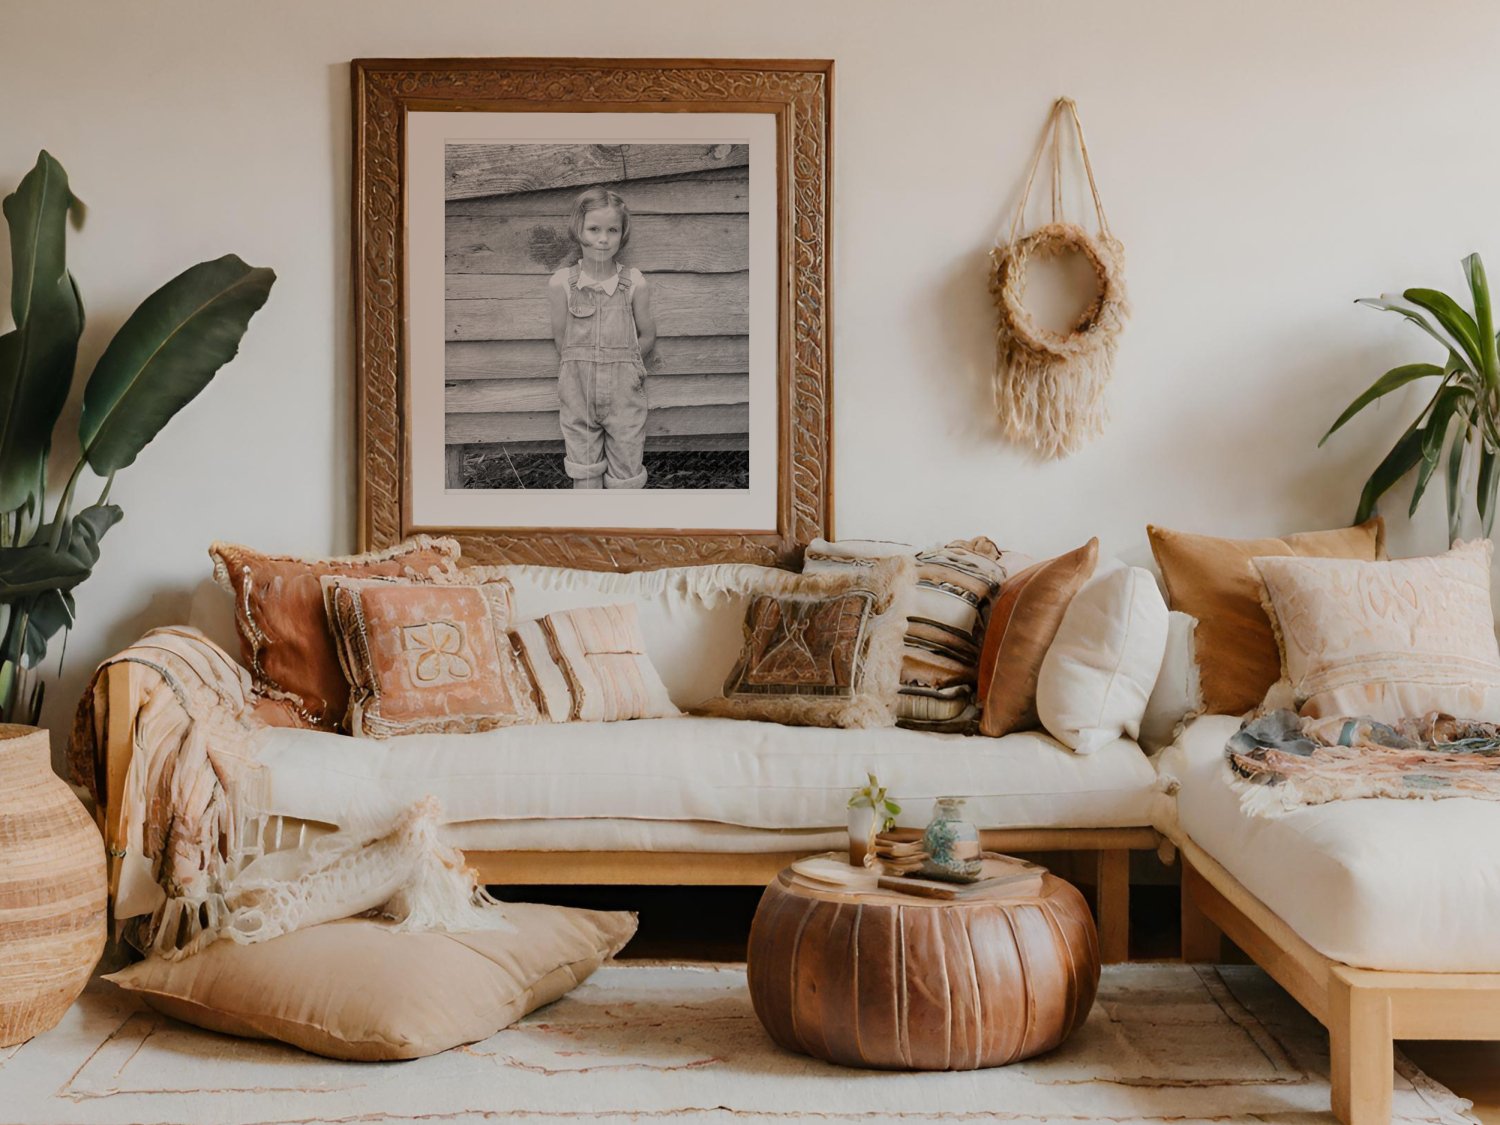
(606, 307)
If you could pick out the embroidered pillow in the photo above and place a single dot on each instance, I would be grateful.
(590, 665)
(1390, 640)
(284, 635)
(1025, 619)
(823, 649)
(1213, 580)
(425, 657)
(956, 584)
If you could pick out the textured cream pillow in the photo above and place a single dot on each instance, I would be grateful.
(356, 990)
(1177, 693)
(1099, 670)
(590, 665)
(1390, 640)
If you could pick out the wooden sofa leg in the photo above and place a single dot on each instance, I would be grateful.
(1361, 1052)
(1202, 941)
(1112, 885)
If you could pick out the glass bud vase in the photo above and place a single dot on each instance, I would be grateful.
(951, 843)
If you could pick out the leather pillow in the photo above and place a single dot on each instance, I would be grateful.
(427, 657)
(356, 990)
(1214, 580)
(285, 639)
(1025, 618)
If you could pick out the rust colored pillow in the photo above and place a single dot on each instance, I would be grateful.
(1022, 624)
(284, 635)
(427, 657)
(1214, 580)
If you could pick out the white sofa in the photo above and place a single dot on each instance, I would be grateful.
(1378, 915)
(690, 800)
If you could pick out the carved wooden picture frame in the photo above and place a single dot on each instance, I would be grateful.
(422, 356)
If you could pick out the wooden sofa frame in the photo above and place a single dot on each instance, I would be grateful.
(1364, 1010)
(1111, 846)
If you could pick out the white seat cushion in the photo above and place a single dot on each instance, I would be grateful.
(1376, 883)
(730, 771)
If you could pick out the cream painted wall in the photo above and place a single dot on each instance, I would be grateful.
(1264, 164)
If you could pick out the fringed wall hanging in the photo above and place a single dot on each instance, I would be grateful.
(1049, 386)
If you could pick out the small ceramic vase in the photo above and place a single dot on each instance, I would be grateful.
(861, 832)
(951, 843)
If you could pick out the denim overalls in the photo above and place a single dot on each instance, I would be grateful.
(601, 384)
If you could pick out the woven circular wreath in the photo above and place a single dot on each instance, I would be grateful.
(1096, 326)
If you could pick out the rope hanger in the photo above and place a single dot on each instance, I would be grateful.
(1049, 386)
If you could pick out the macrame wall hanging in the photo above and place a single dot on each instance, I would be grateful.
(1049, 386)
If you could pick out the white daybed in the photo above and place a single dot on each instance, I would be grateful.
(1381, 916)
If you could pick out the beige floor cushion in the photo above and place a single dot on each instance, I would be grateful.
(357, 990)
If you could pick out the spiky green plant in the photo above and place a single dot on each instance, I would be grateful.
(1457, 426)
(163, 355)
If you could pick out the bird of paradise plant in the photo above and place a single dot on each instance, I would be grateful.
(162, 356)
(1457, 427)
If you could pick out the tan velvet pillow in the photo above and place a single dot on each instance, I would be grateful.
(427, 657)
(356, 990)
(1391, 640)
(823, 649)
(1025, 618)
(285, 639)
(590, 665)
(1213, 580)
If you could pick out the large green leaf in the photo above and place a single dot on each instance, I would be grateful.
(1393, 379)
(1455, 472)
(1484, 317)
(1402, 458)
(1448, 402)
(1455, 321)
(164, 355)
(1396, 303)
(1488, 480)
(37, 356)
(35, 568)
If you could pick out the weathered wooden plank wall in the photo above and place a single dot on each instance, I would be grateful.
(689, 234)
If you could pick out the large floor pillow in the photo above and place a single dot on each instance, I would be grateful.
(358, 990)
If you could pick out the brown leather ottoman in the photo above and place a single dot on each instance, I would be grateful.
(883, 979)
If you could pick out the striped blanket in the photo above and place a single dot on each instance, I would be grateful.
(1280, 761)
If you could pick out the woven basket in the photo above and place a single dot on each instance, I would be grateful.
(52, 889)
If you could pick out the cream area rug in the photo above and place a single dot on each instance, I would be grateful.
(649, 1042)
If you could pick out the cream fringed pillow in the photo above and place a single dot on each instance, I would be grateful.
(427, 657)
(1390, 640)
(823, 650)
(356, 990)
(590, 665)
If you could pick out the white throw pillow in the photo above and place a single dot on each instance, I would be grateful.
(1178, 694)
(1098, 673)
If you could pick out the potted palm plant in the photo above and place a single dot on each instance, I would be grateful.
(1457, 427)
(162, 356)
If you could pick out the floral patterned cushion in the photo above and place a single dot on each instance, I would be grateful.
(427, 657)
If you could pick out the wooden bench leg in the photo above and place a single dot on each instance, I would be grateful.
(1112, 885)
(1202, 941)
(1361, 1052)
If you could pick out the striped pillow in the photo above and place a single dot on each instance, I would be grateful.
(590, 665)
(956, 583)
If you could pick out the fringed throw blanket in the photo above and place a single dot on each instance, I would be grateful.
(1281, 761)
(191, 841)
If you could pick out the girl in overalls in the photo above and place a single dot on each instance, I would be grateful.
(602, 323)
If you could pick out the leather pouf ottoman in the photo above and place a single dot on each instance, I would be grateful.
(889, 980)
